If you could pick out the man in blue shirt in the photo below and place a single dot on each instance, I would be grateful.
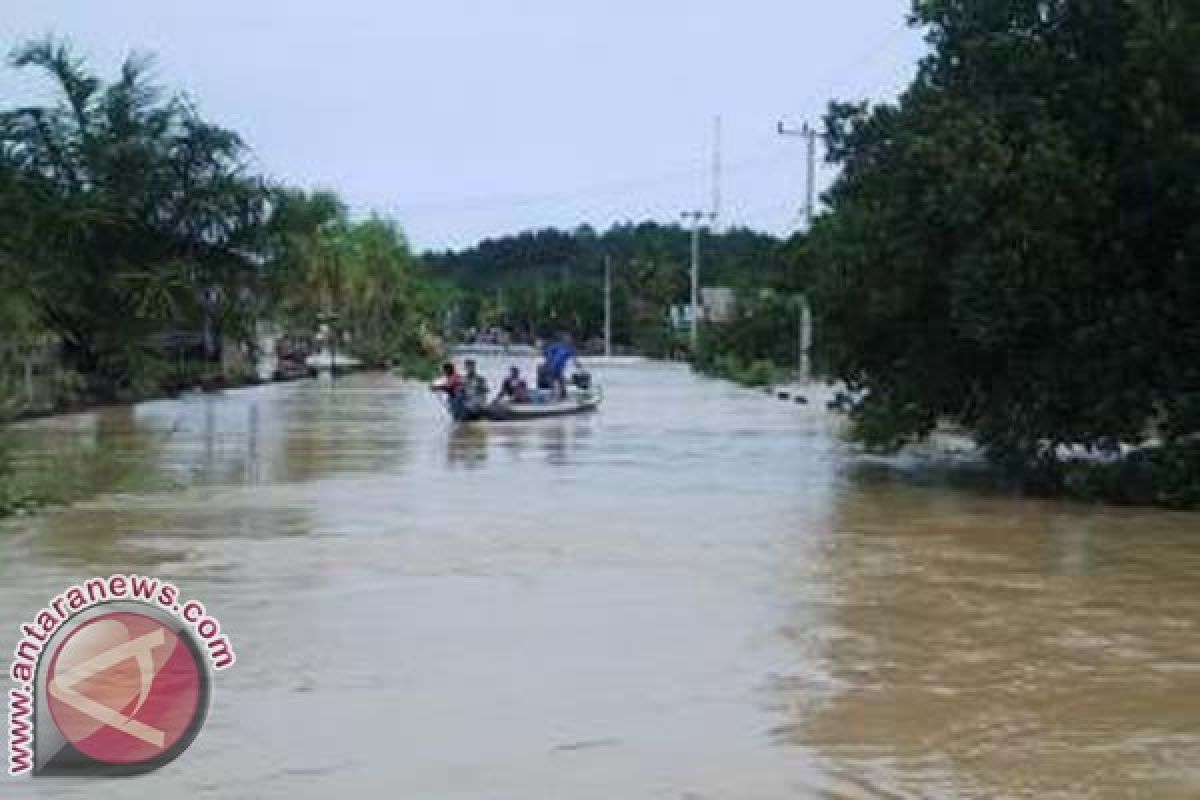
(557, 357)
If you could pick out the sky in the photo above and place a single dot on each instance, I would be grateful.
(469, 119)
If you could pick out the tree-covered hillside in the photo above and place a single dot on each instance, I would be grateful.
(538, 282)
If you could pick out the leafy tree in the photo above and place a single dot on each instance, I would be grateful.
(361, 275)
(131, 209)
(1014, 244)
(134, 231)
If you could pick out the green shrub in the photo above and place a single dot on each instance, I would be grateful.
(1167, 476)
(417, 366)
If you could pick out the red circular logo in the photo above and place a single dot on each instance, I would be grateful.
(123, 688)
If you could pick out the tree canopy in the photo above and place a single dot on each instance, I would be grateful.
(128, 221)
(1014, 243)
(124, 201)
(542, 281)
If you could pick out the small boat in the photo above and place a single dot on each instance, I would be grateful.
(581, 402)
(325, 360)
(509, 350)
(541, 405)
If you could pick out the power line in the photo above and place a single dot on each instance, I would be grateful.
(850, 68)
(622, 187)
(605, 189)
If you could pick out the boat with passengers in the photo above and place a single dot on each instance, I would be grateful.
(580, 396)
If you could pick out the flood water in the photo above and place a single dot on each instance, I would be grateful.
(699, 592)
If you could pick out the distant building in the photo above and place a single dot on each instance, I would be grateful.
(717, 304)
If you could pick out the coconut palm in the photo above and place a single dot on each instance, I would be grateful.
(136, 206)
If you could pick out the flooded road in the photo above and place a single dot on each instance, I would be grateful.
(697, 593)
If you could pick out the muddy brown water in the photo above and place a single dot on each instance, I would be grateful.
(699, 592)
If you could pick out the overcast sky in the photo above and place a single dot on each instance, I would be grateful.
(472, 119)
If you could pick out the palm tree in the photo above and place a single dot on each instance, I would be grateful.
(141, 205)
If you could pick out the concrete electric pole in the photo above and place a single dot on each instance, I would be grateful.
(697, 219)
(607, 306)
(810, 183)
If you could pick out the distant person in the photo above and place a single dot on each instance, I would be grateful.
(557, 357)
(513, 389)
(542, 377)
(475, 386)
(450, 382)
(545, 376)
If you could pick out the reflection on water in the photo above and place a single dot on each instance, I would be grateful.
(697, 592)
(551, 440)
(467, 446)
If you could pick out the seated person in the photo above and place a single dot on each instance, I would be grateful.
(475, 386)
(514, 389)
(545, 376)
(452, 384)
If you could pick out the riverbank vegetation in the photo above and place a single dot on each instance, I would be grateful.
(757, 344)
(1014, 245)
(138, 243)
(141, 253)
(358, 277)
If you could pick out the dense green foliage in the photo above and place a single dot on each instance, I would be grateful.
(134, 232)
(545, 281)
(758, 345)
(358, 277)
(1015, 244)
(119, 204)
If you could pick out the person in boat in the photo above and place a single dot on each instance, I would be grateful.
(543, 380)
(545, 376)
(558, 356)
(474, 386)
(453, 385)
(513, 389)
(450, 382)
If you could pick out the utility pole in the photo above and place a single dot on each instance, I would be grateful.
(333, 322)
(804, 343)
(607, 306)
(810, 183)
(697, 219)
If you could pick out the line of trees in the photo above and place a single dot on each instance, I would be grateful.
(540, 282)
(136, 233)
(1015, 243)
(359, 276)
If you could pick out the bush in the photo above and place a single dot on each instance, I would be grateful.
(725, 365)
(417, 366)
(16, 493)
(1167, 476)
